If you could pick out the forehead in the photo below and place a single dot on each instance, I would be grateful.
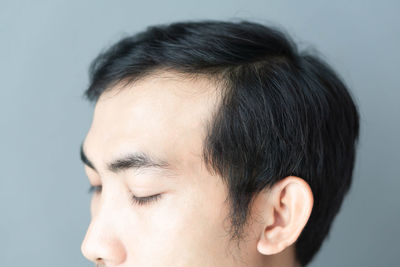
(164, 115)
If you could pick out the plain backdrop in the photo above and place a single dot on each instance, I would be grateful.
(46, 48)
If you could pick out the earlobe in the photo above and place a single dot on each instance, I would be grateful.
(286, 211)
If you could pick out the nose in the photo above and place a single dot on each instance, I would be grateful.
(101, 243)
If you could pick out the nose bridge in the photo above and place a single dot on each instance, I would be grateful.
(102, 242)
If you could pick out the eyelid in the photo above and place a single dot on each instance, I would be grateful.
(135, 200)
(145, 200)
(95, 189)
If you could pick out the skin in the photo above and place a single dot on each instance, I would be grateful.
(164, 116)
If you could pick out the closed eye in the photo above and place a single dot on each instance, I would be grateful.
(94, 189)
(135, 200)
(145, 200)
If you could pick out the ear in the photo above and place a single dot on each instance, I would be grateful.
(285, 209)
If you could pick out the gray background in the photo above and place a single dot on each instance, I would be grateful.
(46, 47)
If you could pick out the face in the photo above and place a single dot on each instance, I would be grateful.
(156, 203)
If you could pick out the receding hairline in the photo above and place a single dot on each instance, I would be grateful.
(215, 80)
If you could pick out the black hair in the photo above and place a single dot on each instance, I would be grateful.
(284, 111)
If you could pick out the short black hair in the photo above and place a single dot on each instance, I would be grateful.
(284, 111)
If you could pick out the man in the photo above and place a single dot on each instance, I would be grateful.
(215, 144)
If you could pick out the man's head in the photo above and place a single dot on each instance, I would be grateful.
(215, 144)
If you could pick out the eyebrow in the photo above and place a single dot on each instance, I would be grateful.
(137, 160)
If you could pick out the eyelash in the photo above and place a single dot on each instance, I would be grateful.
(135, 200)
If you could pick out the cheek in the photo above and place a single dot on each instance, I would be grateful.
(186, 226)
